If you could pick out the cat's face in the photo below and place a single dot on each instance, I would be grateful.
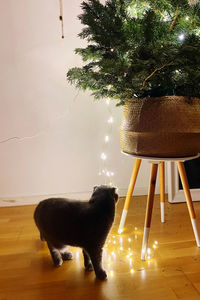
(105, 191)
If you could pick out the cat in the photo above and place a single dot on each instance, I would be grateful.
(86, 224)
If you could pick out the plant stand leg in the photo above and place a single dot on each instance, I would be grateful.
(162, 190)
(183, 176)
(136, 168)
(149, 208)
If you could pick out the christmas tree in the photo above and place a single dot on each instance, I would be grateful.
(139, 49)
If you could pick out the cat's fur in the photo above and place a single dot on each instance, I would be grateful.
(63, 222)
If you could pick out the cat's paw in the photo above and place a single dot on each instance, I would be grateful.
(67, 255)
(102, 275)
(89, 267)
(57, 262)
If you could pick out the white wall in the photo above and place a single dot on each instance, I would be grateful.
(63, 156)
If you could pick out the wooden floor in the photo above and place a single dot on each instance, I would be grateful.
(171, 272)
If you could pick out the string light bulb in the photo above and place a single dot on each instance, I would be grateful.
(110, 120)
(181, 37)
(107, 139)
(103, 156)
(111, 273)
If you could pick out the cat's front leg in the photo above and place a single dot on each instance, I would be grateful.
(96, 258)
(87, 262)
(55, 254)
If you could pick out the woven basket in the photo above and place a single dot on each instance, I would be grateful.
(166, 126)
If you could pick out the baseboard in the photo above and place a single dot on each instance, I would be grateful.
(179, 197)
(35, 199)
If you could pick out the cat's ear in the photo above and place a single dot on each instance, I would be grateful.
(112, 190)
(95, 187)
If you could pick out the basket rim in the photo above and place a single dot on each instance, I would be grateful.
(164, 98)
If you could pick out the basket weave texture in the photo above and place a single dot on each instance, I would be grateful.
(166, 126)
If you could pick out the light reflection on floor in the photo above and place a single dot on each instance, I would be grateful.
(122, 253)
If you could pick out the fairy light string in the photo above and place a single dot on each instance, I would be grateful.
(103, 170)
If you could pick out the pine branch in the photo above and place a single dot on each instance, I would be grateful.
(174, 20)
(149, 76)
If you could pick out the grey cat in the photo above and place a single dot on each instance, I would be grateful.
(63, 222)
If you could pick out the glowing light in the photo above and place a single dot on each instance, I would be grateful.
(132, 271)
(148, 257)
(103, 156)
(156, 243)
(197, 32)
(136, 228)
(143, 252)
(148, 251)
(121, 248)
(114, 255)
(136, 236)
(121, 240)
(114, 242)
(111, 49)
(129, 239)
(187, 18)
(181, 37)
(106, 139)
(110, 120)
(154, 246)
